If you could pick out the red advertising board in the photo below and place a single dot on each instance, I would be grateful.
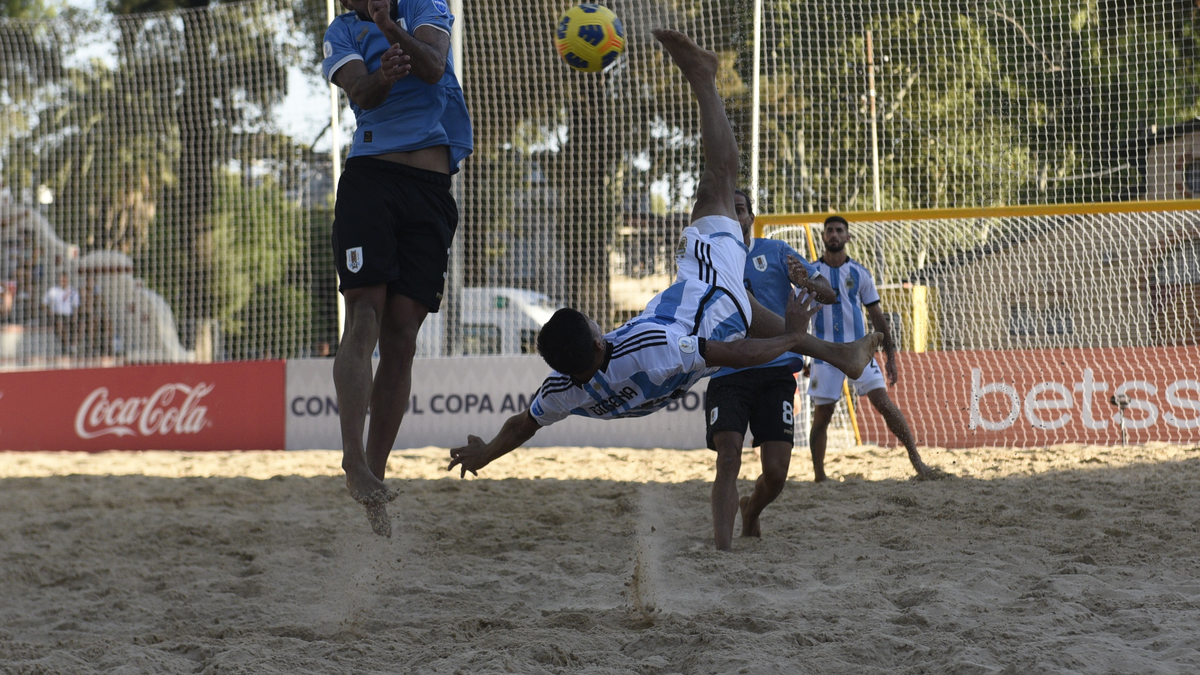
(211, 406)
(958, 399)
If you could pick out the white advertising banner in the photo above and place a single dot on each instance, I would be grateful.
(453, 397)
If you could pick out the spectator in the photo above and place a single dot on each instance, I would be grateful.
(62, 301)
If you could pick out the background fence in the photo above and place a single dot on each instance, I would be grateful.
(156, 157)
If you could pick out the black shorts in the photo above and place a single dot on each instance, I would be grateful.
(393, 224)
(761, 397)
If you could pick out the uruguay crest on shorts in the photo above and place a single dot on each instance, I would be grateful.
(354, 259)
(760, 263)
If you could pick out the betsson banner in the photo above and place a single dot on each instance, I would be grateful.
(452, 398)
(213, 406)
(1027, 398)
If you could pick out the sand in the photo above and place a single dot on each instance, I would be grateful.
(1068, 559)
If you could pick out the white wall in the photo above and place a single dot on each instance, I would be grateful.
(496, 387)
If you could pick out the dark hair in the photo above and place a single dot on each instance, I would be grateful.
(565, 342)
(749, 204)
(838, 219)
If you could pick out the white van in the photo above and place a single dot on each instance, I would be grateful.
(495, 320)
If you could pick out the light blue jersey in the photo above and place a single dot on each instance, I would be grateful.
(843, 321)
(767, 278)
(415, 114)
(655, 357)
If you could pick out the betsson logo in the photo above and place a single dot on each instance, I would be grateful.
(99, 416)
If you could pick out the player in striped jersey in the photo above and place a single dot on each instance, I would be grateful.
(842, 321)
(686, 332)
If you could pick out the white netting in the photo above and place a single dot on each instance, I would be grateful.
(1020, 330)
(142, 158)
(150, 155)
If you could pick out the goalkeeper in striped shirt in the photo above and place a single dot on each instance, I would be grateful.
(842, 321)
(704, 321)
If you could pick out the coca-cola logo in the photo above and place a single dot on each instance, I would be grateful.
(99, 415)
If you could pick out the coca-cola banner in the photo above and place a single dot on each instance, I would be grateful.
(958, 399)
(212, 406)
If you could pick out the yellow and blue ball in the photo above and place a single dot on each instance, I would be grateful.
(589, 37)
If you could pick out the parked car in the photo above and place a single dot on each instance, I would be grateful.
(495, 320)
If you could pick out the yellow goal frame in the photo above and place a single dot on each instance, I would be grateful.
(807, 220)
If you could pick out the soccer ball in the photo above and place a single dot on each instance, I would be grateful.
(589, 37)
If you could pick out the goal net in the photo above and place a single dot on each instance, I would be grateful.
(177, 165)
(1033, 325)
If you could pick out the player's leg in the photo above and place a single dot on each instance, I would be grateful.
(728, 445)
(714, 194)
(849, 357)
(824, 390)
(898, 425)
(402, 319)
(727, 409)
(776, 460)
(817, 436)
(352, 379)
(771, 422)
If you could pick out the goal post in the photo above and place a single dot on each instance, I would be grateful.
(1032, 325)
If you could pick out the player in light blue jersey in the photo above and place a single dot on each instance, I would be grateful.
(395, 218)
(843, 321)
(686, 332)
(759, 397)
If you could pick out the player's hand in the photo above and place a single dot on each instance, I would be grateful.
(797, 273)
(380, 12)
(470, 457)
(394, 64)
(893, 369)
(800, 308)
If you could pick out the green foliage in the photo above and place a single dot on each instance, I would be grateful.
(257, 250)
(28, 9)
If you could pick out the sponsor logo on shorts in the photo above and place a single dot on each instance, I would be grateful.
(440, 6)
(688, 344)
(328, 49)
(712, 416)
(354, 259)
(760, 263)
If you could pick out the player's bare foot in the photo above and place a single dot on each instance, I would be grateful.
(750, 528)
(858, 354)
(926, 472)
(697, 65)
(365, 488)
(381, 523)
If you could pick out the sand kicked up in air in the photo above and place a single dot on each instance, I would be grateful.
(1068, 559)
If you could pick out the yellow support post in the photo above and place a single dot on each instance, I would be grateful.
(812, 257)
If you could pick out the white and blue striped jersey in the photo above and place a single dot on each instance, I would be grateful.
(655, 357)
(843, 321)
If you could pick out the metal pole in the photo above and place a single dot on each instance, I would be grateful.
(335, 152)
(875, 156)
(755, 113)
(452, 337)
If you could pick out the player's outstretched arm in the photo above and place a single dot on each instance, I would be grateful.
(476, 454)
(757, 351)
(889, 347)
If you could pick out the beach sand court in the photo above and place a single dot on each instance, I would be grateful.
(1067, 559)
